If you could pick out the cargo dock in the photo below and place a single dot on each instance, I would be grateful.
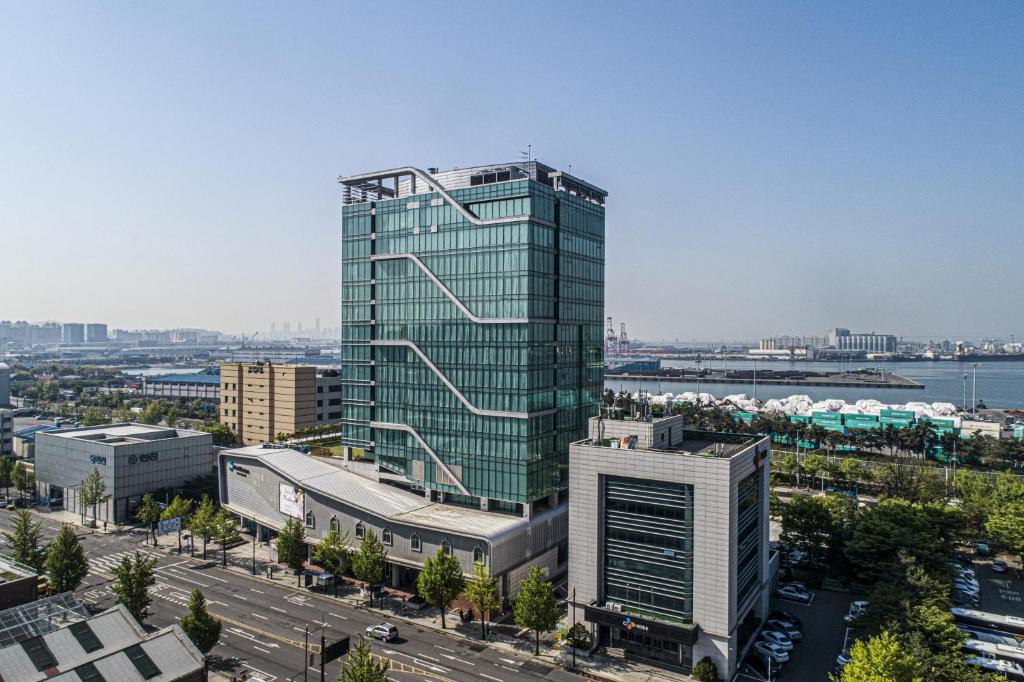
(863, 378)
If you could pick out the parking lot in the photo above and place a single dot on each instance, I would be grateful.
(823, 628)
(1000, 592)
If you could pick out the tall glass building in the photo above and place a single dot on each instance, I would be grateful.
(472, 305)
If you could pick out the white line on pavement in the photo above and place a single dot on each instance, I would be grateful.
(336, 615)
(255, 590)
(508, 668)
(444, 648)
(430, 658)
(481, 675)
(509, 660)
(448, 656)
(260, 649)
(259, 616)
(277, 609)
(206, 575)
(186, 579)
(238, 596)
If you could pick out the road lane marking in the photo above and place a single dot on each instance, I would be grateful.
(259, 616)
(509, 660)
(313, 648)
(205, 575)
(489, 677)
(457, 659)
(430, 658)
(238, 596)
(277, 609)
(255, 590)
(266, 651)
(508, 668)
(266, 675)
(444, 648)
(336, 615)
(185, 578)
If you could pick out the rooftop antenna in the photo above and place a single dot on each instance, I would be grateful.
(528, 154)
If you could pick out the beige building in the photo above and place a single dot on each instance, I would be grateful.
(260, 400)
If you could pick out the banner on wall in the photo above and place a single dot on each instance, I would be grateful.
(290, 501)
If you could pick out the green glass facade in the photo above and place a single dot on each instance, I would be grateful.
(473, 344)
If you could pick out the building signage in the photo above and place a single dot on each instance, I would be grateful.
(255, 369)
(290, 500)
(633, 625)
(148, 457)
(237, 468)
(170, 525)
(684, 634)
(98, 459)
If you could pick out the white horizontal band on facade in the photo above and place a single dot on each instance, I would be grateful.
(449, 293)
(390, 426)
(451, 387)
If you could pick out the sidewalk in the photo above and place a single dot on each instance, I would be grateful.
(504, 634)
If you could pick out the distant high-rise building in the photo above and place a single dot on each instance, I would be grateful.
(472, 326)
(318, 326)
(273, 328)
(5, 384)
(287, 329)
(73, 332)
(96, 333)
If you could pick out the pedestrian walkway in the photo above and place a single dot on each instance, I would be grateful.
(107, 564)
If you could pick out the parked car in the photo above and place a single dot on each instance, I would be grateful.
(790, 630)
(963, 599)
(772, 651)
(967, 587)
(798, 584)
(983, 549)
(777, 637)
(787, 616)
(999, 566)
(794, 594)
(385, 632)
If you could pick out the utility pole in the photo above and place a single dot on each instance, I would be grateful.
(573, 625)
(963, 403)
(255, 537)
(974, 390)
(305, 657)
(755, 378)
(323, 645)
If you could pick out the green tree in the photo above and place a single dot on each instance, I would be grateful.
(706, 670)
(171, 416)
(1006, 517)
(332, 554)
(368, 563)
(6, 469)
(361, 666)
(152, 414)
(94, 416)
(24, 542)
(535, 606)
(223, 436)
(123, 415)
(93, 492)
(482, 593)
(66, 565)
(291, 545)
(24, 480)
(132, 580)
(178, 508)
(202, 628)
(880, 659)
(816, 465)
(226, 531)
(200, 524)
(790, 465)
(441, 581)
(149, 513)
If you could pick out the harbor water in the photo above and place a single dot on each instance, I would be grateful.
(999, 384)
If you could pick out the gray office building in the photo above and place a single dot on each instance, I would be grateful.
(266, 486)
(96, 333)
(668, 540)
(7, 433)
(5, 384)
(134, 459)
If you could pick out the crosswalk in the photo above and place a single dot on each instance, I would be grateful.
(108, 562)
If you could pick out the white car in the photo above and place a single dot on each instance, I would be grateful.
(385, 632)
(966, 587)
(772, 651)
(788, 629)
(794, 594)
(779, 638)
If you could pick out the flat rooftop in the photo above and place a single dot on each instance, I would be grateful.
(11, 570)
(695, 443)
(127, 433)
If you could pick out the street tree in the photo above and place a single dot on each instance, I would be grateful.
(93, 492)
(66, 565)
(291, 545)
(880, 659)
(201, 627)
(171, 416)
(441, 581)
(536, 607)
(6, 469)
(332, 554)
(362, 666)
(178, 508)
(149, 513)
(369, 562)
(1006, 518)
(816, 465)
(24, 480)
(222, 434)
(24, 542)
(200, 524)
(482, 592)
(132, 580)
(226, 531)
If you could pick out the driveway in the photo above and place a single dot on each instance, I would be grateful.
(823, 629)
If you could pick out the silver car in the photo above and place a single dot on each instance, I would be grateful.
(385, 632)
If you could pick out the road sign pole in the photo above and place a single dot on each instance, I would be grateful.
(323, 645)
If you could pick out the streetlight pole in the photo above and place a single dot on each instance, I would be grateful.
(963, 403)
(573, 626)
(755, 378)
(974, 390)
(255, 536)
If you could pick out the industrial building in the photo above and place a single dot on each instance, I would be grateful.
(25, 440)
(74, 647)
(842, 339)
(668, 540)
(267, 486)
(204, 385)
(72, 333)
(472, 305)
(5, 384)
(260, 400)
(134, 459)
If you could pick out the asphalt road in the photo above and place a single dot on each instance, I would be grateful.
(264, 623)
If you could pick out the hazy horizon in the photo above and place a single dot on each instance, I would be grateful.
(772, 169)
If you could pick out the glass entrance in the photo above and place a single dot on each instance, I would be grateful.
(641, 645)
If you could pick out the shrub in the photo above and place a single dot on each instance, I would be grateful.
(706, 670)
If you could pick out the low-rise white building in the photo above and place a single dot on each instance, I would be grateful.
(668, 540)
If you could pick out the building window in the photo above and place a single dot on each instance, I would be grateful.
(478, 555)
(360, 531)
(414, 543)
(385, 536)
(335, 525)
(447, 547)
(310, 521)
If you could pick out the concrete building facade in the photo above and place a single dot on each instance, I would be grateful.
(267, 486)
(5, 384)
(668, 540)
(204, 385)
(260, 400)
(842, 339)
(7, 433)
(72, 333)
(96, 332)
(134, 459)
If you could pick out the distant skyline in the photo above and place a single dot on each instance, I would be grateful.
(772, 168)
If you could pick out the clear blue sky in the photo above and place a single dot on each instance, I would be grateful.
(772, 167)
